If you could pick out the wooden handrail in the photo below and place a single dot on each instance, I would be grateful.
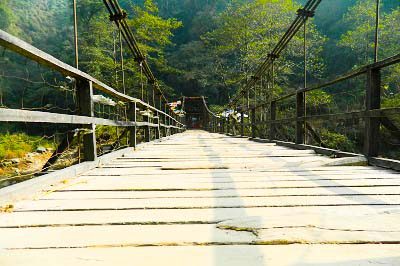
(25, 49)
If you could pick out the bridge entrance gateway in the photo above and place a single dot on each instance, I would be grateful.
(195, 112)
(187, 186)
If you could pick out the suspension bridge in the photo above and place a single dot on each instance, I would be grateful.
(197, 188)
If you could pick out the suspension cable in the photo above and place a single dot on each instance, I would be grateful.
(302, 16)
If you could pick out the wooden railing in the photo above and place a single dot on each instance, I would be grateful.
(161, 123)
(372, 113)
(269, 117)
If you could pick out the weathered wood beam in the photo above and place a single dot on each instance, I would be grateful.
(242, 123)
(352, 74)
(315, 135)
(253, 122)
(26, 116)
(373, 102)
(300, 113)
(341, 116)
(84, 92)
(25, 49)
(132, 115)
(17, 115)
(272, 130)
(392, 128)
(147, 131)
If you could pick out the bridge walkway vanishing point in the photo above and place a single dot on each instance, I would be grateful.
(198, 198)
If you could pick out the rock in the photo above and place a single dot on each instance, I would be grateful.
(348, 161)
(41, 150)
(29, 157)
(107, 148)
(6, 163)
(15, 161)
(30, 154)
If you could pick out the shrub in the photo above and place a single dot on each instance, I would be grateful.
(337, 141)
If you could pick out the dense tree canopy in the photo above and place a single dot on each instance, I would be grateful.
(5, 15)
(208, 47)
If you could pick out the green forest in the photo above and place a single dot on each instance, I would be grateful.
(200, 47)
(203, 47)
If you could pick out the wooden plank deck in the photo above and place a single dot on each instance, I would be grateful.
(208, 199)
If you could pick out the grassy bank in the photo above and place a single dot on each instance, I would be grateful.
(17, 145)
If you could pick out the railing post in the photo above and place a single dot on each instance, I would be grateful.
(228, 128)
(160, 123)
(272, 129)
(176, 124)
(253, 122)
(224, 125)
(372, 124)
(300, 113)
(242, 123)
(164, 122)
(233, 126)
(173, 124)
(182, 122)
(86, 108)
(133, 130)
(168, 122)
(147, 132)
(158, 129)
